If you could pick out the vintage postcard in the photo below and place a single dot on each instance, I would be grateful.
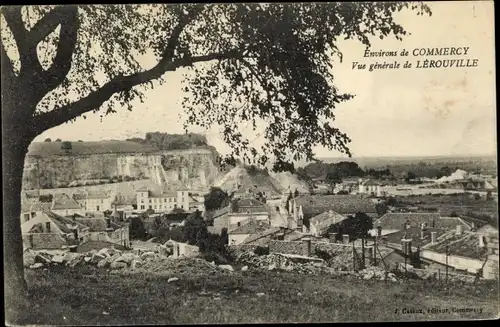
(230, 163)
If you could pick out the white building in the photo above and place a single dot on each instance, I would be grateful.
(372, 187)
(162, 201)
(94, 202)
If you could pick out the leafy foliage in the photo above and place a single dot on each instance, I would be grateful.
(66, 146)
(267, 63)
(165, 141)
(136, 229)
(195, 228)
(216, 199)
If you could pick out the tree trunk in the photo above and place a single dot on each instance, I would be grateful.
(17, 134)
(15, 146)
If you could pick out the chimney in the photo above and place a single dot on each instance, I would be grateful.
(406, 246)
(379, 231)
(433, 237)
(306, 242)
(473, 226)
(481, 241)
(345, 238)
(108, 223)
(332, 237)
(422, 235)
(460, 230)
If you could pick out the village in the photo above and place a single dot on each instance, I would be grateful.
(354, 225)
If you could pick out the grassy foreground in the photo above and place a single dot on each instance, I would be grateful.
(91, 296)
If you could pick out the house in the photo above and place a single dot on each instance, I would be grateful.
(48, 230)
(251, 191)
(468, 251)
(396, 221)
(319, 225)
(349, 185)
(371, 186)
(303, 208)
(253, 226)
(488, 230)
(94, 201)
(63, 205)
(217, 220)
(105, 229)
(197, 202)
(31, 210)
(242, 210)
(163, 201)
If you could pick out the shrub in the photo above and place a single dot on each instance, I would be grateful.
(261, 250)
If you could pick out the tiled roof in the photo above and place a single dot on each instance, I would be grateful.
(371, 182)
(97, 224)
(63, 202)
(414, 234)
(64, 224)
(257, 236)
(396, 221)
(326, 219)
(252, 227)
(90, 195)
(251, 205)
(343, 204)
(466, 245)
(40, 206)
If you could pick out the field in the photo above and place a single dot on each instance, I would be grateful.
(91, 296)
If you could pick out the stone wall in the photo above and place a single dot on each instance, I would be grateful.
(43, 241)
(244, 247)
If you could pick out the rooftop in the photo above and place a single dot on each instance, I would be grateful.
(414, 234)
(66, 225)
(252, 227)
(63, 202)
(326, 219)
(252, 205)
(342, 204)
(466, 245)
(396, 220)
(97, 224)
(90, 195)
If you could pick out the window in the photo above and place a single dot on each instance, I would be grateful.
(102, 201)
(142, 201)
(97, 208)
(33, 214)
(26, 217)
(150, 207)
(47, 227)
(150, 201)
(142, 207)
(165, 200)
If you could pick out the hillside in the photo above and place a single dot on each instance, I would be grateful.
(249, 176)
(208, 296)
(48, 165)
(290, 182)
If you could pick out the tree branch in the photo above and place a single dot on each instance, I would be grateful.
(44, 121)
(49, 22)
(7, 67)
(68, 19)
(27, 54)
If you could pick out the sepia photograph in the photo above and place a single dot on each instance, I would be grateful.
(246, 163)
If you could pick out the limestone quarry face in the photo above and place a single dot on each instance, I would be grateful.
(194, 168)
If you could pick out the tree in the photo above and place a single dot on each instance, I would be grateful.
(66, 146)
(333, 178)
(273, 58)
(47, 140)
(136, 229)
(58, 140)
(410, 176)
(194, 228)
(216, 199)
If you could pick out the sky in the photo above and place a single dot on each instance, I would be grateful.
(395, 112)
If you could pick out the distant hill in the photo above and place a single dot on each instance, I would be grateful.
(46, 149)
(153, 142)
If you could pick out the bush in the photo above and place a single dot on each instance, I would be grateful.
(261, 250)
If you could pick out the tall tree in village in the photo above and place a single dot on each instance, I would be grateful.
(267, 64)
